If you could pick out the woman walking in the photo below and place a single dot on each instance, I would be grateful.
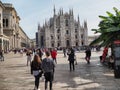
(36, 70)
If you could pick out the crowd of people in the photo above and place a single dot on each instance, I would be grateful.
(46, 66)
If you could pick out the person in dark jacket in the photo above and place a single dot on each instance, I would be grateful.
(48, 69)
(36, 70)
(71, 59)
(88, 55)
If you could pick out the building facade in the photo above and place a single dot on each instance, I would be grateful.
(33, 43)
(4, 40)
(92, 38)
(12, 35)
(62, 30)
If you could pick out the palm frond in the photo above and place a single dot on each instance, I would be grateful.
(96, 30)
(116, 11)
(110, 14)
(112, 29)
(103, 17)
(109, 27)
(109, 40)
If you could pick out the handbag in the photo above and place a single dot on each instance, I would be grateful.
(35, 72)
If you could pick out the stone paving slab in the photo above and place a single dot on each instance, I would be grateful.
(15, 75)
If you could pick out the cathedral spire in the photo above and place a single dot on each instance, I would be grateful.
(85, 24)
(62, 11)
(78, 19)
(45, 23)
(38, 26)
(72, 11)
(54, 10)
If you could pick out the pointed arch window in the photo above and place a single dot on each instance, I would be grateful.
(76, 43)
(76, 36)
(75, 30)
(58, 37)
(58, 44)
(66, 21)
(51, 37)
(82, 43)
(81, 35)
(52, 44)
(67, 32)
(67, 43)
(58, 31)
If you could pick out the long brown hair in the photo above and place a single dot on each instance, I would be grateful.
(37, 59)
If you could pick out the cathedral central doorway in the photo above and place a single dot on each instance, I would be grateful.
(42, 41)
(67, 43)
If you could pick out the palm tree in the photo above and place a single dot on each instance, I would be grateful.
(109, 27)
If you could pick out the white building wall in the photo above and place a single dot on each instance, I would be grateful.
(60, 23)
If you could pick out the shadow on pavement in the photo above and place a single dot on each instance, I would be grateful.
(91, 76)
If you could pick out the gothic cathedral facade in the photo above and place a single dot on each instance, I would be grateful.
(62, 30)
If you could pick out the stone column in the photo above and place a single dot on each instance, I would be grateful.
(72, 31)
(62, 31)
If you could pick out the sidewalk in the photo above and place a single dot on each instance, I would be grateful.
(15, 75)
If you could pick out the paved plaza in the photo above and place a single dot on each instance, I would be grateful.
(15, 74)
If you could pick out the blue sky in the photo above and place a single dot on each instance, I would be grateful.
(33, 12)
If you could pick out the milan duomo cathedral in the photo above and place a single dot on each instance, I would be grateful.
(62, 30)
